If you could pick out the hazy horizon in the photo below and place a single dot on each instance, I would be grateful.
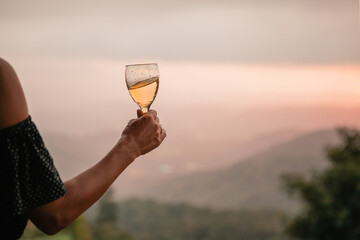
(211, 110)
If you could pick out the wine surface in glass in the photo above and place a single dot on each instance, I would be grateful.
(144, 92)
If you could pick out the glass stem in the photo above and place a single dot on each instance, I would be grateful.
(145, 110)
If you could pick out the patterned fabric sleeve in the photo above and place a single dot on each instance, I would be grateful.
(28, 171)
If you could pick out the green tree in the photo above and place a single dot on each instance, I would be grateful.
(331, 198)
(151, 220)
(107, 231)
(80, 229)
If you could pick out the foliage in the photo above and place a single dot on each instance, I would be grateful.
(104, 227)
(80, 229)
(107, 212)
(331, 198)
(149, 220)
(108, 231)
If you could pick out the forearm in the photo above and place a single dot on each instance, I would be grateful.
(86, 188)
(83, 191)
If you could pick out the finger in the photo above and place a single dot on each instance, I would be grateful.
(131, 121)
(139, 113)
(163, 134)
(152, 113)
(157, 119)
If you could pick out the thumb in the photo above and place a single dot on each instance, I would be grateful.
(139, 113)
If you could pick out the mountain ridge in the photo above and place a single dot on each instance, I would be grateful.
(252, 183)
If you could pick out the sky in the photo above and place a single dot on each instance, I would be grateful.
(236, 77)
(277, 31)
(211, 111)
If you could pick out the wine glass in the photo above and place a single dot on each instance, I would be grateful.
(142, 81)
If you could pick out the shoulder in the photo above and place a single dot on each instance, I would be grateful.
(13, 107)
(5, 66)
(7, 73)
(3, 62)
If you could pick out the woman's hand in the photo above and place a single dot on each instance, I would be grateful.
(144, 133)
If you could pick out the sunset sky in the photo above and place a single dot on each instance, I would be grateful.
(232, 72)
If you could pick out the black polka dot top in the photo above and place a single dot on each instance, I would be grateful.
(28, 177)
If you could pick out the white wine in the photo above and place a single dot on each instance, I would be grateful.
(142, 81)
(144, 92)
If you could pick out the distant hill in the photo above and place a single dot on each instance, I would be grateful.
(75, 153)
(253, 183)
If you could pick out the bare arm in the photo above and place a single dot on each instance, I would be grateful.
(139, 137)
(13, 107)
(89, 186)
